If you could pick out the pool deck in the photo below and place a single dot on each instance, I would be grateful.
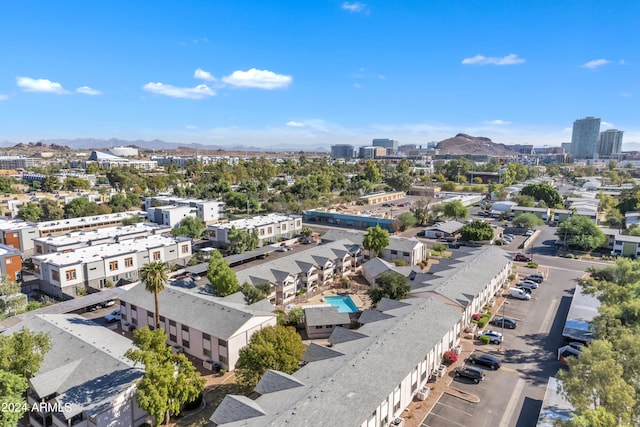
(359, 298)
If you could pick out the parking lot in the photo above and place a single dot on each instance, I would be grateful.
(512, 395)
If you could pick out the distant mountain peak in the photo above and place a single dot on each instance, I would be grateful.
(462, 144)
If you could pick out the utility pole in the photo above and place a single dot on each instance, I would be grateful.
(459, 166)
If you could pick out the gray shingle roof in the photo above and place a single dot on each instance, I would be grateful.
(370, 316)
(341, 391)
(448, 227)
(273, 381)
(213, 315)
(340, 335)
(315, 352)
(320, 316)
(236, 408)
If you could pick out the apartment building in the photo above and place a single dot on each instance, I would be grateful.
(85, 372)
(210, 328)
(68, 273)
(48, 228)
(207, 210)
(10, 262)
(375, 372)
(80, 239)
(271, 228)
(305, 270)
(19, 235)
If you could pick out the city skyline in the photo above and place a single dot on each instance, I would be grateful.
(317, 73)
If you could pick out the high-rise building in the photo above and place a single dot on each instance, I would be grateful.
(342, 151)
(610, 142)
(390, 144)
(584, 139)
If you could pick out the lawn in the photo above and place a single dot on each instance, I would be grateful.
(212, 396)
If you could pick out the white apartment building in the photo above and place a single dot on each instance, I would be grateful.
(271, 228)
(66, 273)
(80, 239)
(171, 215)
(48, 228)
(207, 210)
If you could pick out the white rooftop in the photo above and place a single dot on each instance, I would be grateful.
(81, 222)
(95, 253)
(101, 233)
(256, 221)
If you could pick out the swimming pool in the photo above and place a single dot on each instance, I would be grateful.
(344, 303)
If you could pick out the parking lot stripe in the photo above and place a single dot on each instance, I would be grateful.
(449, 422)
(548, 318)
(453, 407)
(511, 407)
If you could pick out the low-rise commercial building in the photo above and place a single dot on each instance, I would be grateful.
(67, 274)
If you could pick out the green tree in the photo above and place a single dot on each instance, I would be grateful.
(595, 380)
(279, 348)
(74, 184)
(169, 380)
(51, 210)
(92, 168)
(390, 285)
(255, 293)
(8, 287)
(527, 220)
(407, 220)
(399, 181)
(454, 209)
(50, 184)
(22, 352)
(477, 231)
(242, 240)
(30, 212)
(372, 173)
(190, 226)
(544, 192)
(221, 276)
(421, 212)
(581, 232)
(12, 391)
(80, 207)
(307, 231)
(376, 239)
(526, 201)
(154, 276)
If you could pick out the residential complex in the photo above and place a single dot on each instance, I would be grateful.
(197, 323)
(584, 139)
(610, 142)
(68, 273)
(171, 210)
(271, 228)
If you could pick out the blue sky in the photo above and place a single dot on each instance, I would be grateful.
(313, 73)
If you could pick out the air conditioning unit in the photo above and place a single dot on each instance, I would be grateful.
(397, 422)
(211, 365)
(177, 349)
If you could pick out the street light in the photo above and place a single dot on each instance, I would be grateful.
(504, 306)
(459, 166)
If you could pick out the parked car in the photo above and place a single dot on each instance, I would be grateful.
(114, 316)
(526, 289)
(528, 284)
(195, 276)
(519, 294)
(577, 345)
(494, 336)
(529, 233)
(472, 373)
(485, 359)
(505, 322)
(522, 257)
(282, 249)
(538, 278)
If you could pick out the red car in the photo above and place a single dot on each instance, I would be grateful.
(522, 257)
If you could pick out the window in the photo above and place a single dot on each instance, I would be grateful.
(212, 233)
(222, 343)
(36, 268)
(134, 321)
(162, 318)
(394, 252)
(319, 327)
(172, 338)
(206, 352)
(270, 230)
(223, 359)
(123, 304)
(185, 328)
(128, 262)
(405, 253)
(206, 337)
(156, 256)
(134, 308)
(185, 249)
(71, 274)
(113, 265)
(185, 343)
(9, 260)
(262, 231)
(284, 227)
(172, 323)
(55, 275)
(38, 249)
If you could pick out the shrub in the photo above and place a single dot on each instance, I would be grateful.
(482, 323)
(485, 339)
(512, 276)
(439, 247)
(475, 316)
(532, 264)
(571, 256)
(224, 371)
(450, 357)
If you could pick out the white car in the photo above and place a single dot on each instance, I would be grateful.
(529, 233)
(494, 336)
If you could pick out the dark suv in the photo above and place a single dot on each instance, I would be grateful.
(485, 359)
(538, 278)
(472, 373)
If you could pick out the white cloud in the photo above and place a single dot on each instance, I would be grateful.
(86, 90)
(40, 85)
(191, 127)
(358, 86)
(510, 59)
(625, 94)
(354, 6)
(496, 122)
(3, 97)
(606, 125)
(203, 75)
(260, 79)
(198, 92)
(596, 63)
(294, 124)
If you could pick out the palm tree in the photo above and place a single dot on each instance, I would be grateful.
(154, 276)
